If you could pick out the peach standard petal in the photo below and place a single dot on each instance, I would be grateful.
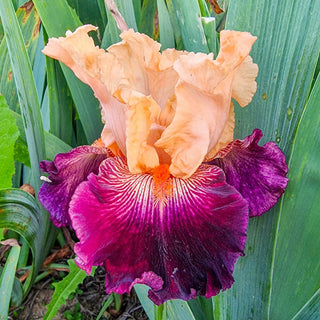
(141, 156)
(135, 53)
(226, 137)
(146, 70)
(203, 103)
(96, 68)
(163, 78)
(244, 85)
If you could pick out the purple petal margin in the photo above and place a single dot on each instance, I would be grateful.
(183, 246)
(258, 173)
(66, 172)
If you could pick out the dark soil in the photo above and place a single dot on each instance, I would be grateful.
(85, 304)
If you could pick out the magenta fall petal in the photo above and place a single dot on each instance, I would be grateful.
(66, 172)
(258, 173)
(180, 248)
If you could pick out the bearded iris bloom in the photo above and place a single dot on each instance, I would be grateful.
(164, 197)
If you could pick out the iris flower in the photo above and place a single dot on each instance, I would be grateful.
(164, 197)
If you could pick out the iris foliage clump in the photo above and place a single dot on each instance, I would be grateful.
(46, 110)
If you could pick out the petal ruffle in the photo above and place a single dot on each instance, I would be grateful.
(180, 246)
(66, 172)
(258, 173)
(93, 66)
(204, 92)
(142, 157)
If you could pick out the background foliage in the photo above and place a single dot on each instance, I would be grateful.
(45, 109)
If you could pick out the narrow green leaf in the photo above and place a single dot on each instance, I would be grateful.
(57, 17)
(147, 17)
(127, 11)
(179, 310)
(172, 310)
(8, 135)
(64, 288)
(103, 12)
(189, 19)
(7, 281)
(160, 312)
(111, 33)
(165, 27)
(296, 269)
(202, 308)
(105, 307)
(60, 103)
(137, 11)
(148, 306)
(16, 294)
(203, 8)
(39, 67)
(175, 25)
(209, 27)
(29, 22)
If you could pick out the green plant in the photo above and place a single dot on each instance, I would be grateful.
(44, 110)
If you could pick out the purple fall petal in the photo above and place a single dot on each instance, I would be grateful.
(258, 173)
(182, 246)
(66, 172)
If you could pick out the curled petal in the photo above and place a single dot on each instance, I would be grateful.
(181, 244)
(163, 77)
(204, 93)
(258, 173)
(244, 85)
(66, 172)
(226, 137)
(135, 52)
(141, 156)
(95, 67)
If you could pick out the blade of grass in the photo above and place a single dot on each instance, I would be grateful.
(127, 11)
(147, 17)
(105, 306)
(39, 67)
(175, 26)
(7, 281)
(60, 102)
(29, 22)
(209, 27)
(165, 27)
(16, 293)
(111, 33)
(137, 11)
